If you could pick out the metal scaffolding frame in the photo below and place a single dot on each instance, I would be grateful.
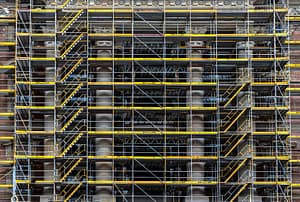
(149, 100)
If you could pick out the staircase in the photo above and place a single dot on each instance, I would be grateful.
(231, 118)
(70, 142)
(70, 118)
(239, 192)
(67, 193)
(233, 92)
(69, 20)
(70, 67)
(69, 44)
(232, 143)
(232, 168)
(234, 192)
(68, 167)
(65, 4)
(69, 91)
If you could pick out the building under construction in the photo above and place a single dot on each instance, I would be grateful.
(150, 100)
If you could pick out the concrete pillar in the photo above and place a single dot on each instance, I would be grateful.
(196, 147)
(50, 48)
(103, 146)
(50, 4)
(49, 98)
(104, 74)
(196, 122)
(103, 194)
(104, 52)
(49, 74)
(5, 196)
(197, 29)
(6, 124)
(48, 28)
(104, 122)
(48, 171)
(104, 171)
(196, 171)
(201, 3)
(104, 97)
(197, 73)
(49, 146)
(102, 28)
(196, 194)
(196, 98)
(47, 194)
(48, 122)
(242, 48)
(194, 50)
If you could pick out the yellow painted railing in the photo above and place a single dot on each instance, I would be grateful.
(237, 91)
(237, 141)
(73, 117)
(69, 166)
(73, 68)
(72, 93)
(71, 46)
(69, 22)
(234, 119)
(239, 192)
(70, 145)
(233, 172)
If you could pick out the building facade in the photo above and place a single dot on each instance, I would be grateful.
(149, 100)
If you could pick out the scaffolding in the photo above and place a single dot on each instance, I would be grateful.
(293, 91)
(147, 100)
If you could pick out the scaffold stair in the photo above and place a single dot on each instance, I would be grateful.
(70, 68)
(232, 118)
(69, 166)
(239, 192)
(232, 168)
(70, 145)
(67, 193)
(69, 92)
(70, 46)
(73, 192)
(69, 22)
(235, 91)
(233, 143)
(65, 4)
(73, 117)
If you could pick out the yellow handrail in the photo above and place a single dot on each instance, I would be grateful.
(239, 192)
(237, 168)
(235, 94)
(64, 4)
(71, 119)
(71, 45)
(71, 144)
(72, 69)
(71, 169)
(231, 124)
(236, 144)
(72, 20)
(72, 94)
(73, 192)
